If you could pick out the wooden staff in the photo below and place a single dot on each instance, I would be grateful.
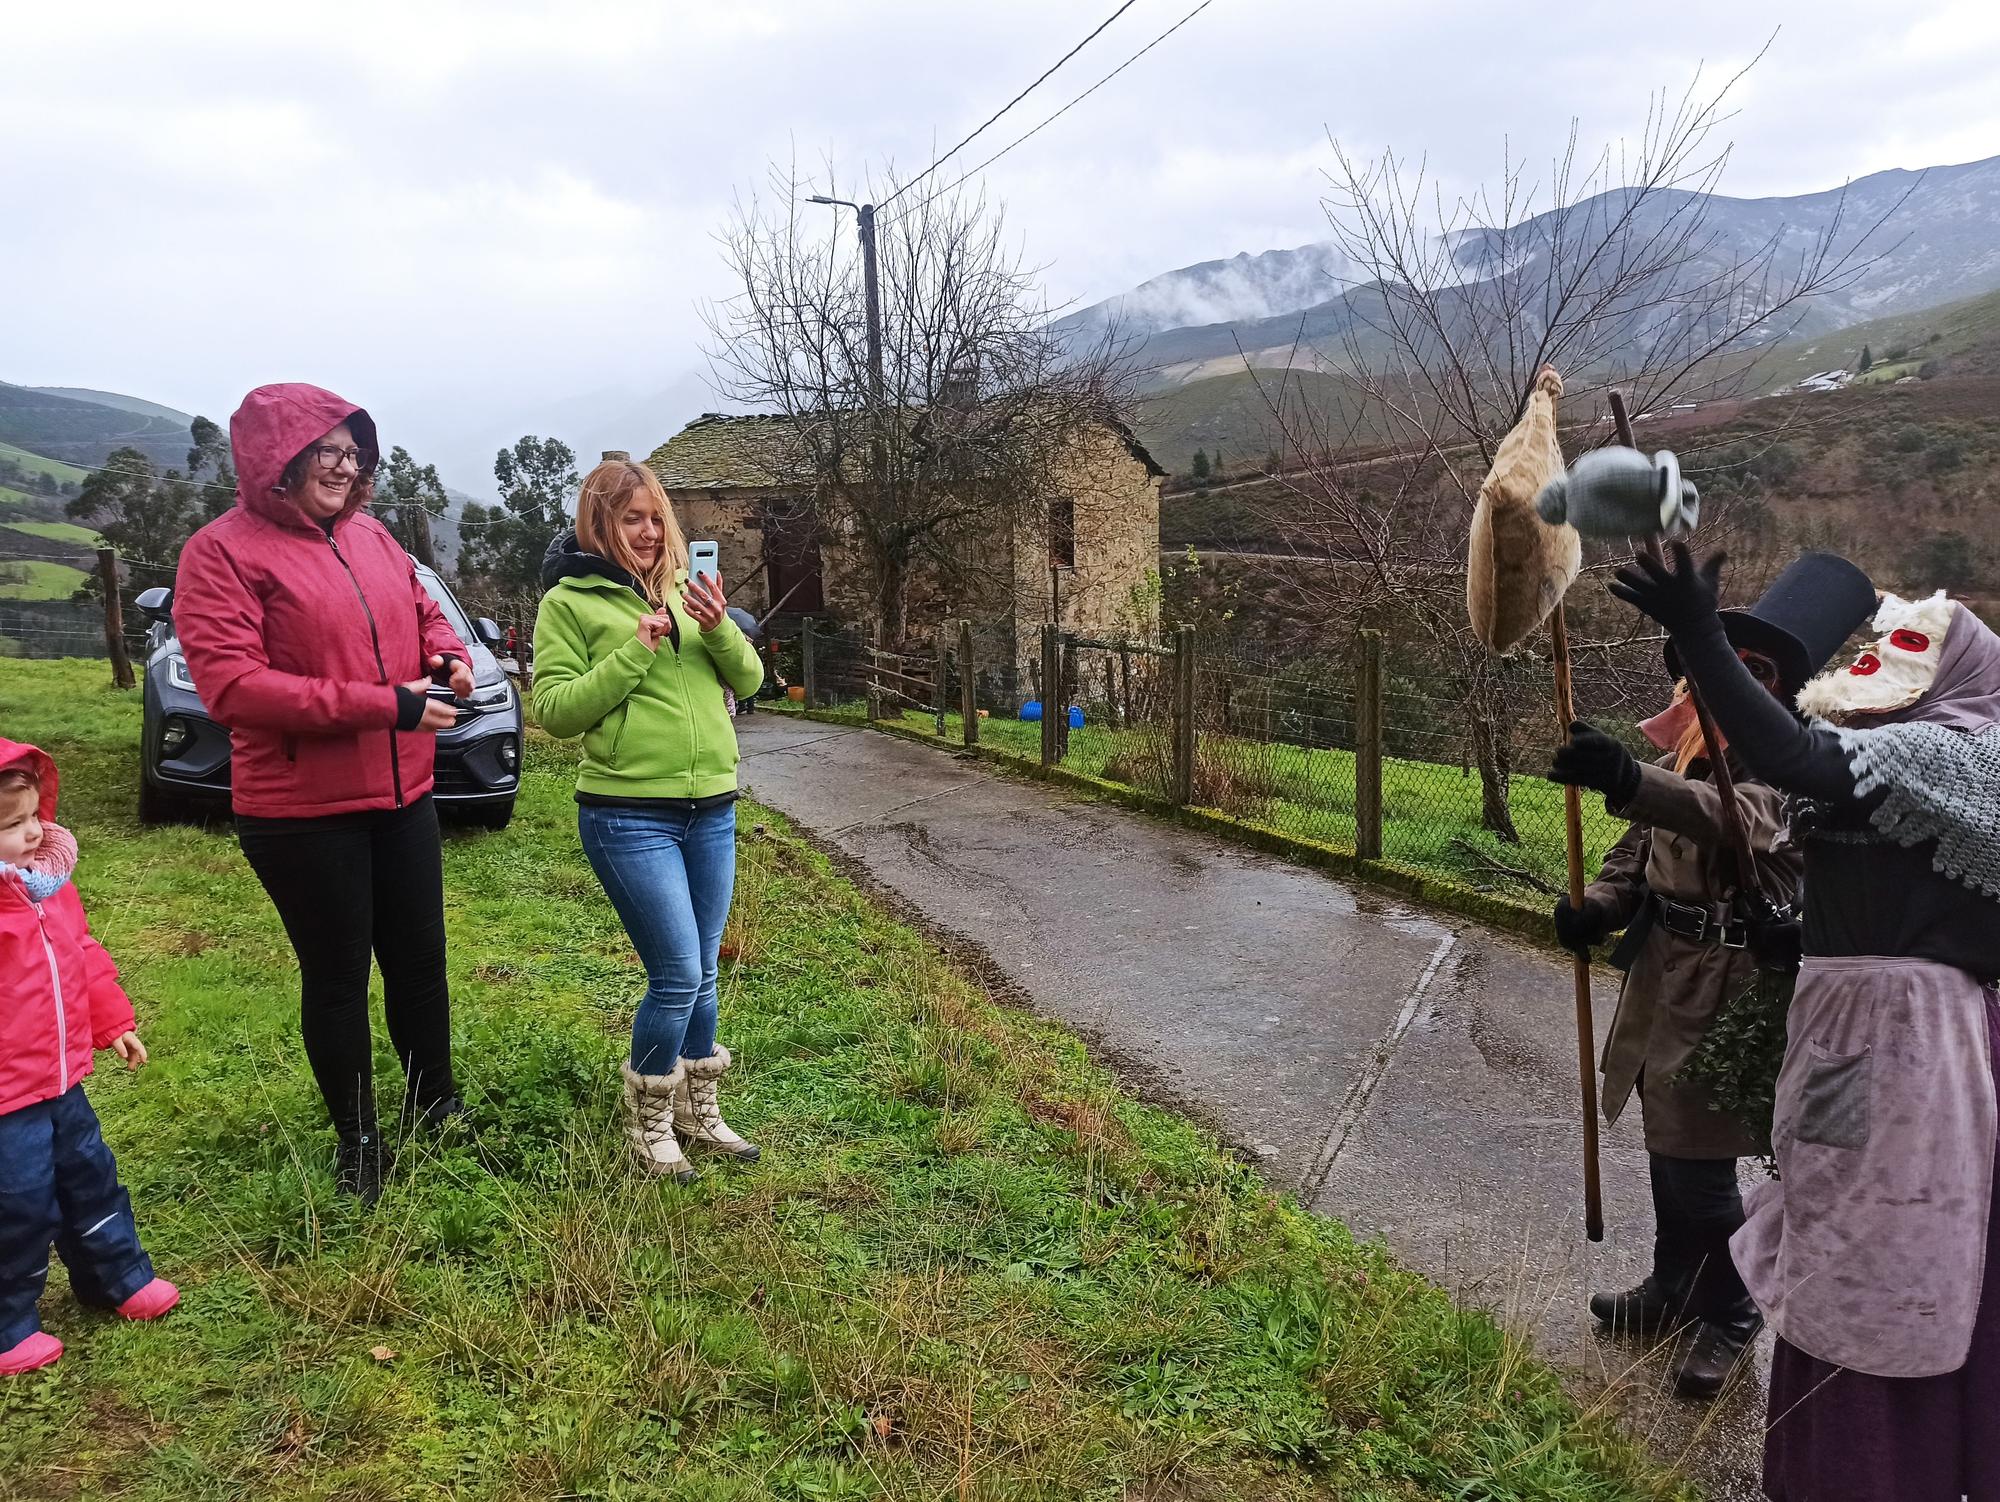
(1733, 834)
(1586, 1046)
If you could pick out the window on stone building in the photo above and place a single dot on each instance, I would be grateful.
(1062, 534)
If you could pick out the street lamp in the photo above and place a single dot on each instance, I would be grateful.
(864, 217)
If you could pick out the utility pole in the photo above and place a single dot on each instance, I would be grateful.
(864, 217)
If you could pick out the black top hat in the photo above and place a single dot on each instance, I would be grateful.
(1809, 611)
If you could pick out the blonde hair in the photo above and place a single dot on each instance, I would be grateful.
(606, 489)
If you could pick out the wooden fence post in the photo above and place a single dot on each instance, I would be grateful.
(941, 665)
(1184, 732)
(968, 686)
(114, 618)
(1368, 734)
(808, 678)
(1069, 691)
(1125, 685)
(873, 649)
(1051, 690)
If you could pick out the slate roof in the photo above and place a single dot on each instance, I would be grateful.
(756, 451)
(722, 451)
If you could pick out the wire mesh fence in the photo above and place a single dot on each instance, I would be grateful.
(53, 601)
(1413, 769)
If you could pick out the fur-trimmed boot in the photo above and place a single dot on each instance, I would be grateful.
(650, 1101)
(698, 1111)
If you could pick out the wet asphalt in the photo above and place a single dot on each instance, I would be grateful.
(1411, 1074)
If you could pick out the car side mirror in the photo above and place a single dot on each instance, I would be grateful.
(157, 603)
(489, 632)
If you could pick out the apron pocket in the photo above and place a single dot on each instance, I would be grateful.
(1833, 1100)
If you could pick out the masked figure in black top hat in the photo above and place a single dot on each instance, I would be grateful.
(1695, 939)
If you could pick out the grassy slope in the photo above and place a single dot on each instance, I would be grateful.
(1430, 813)
(56, 532)
(33, 579)
(967, 1266)
(35, 464)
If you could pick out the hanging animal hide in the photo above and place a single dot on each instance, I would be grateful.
(1519, 566)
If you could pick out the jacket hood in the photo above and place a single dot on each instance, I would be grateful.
(566, 559)
(268, 431)
(38, 761)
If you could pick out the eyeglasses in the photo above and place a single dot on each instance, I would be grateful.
(330, 455)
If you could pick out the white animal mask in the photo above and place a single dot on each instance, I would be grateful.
(1895, 671)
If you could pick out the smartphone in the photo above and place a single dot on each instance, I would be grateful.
(701, 560)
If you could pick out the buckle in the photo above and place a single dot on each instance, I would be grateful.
(1735, 935)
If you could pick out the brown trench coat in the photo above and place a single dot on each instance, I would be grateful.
(1675, 847)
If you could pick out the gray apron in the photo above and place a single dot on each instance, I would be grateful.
(1869, 1251)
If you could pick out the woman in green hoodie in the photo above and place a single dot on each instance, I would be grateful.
(634, 656)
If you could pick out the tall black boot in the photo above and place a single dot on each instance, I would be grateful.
(1709, 1208)
(1662, 1302)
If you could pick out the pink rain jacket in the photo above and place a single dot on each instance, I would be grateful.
(296, 639)
(59, 994)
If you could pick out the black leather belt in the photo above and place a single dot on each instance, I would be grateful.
(1703, 925)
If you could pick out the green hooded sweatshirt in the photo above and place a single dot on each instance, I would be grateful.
(654, 723)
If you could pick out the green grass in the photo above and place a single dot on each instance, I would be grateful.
(83, 537)
(9, 496)
(35, 464)
(1430, 813)
(32, 579)
(967, 1266)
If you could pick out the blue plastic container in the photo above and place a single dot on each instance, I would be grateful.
(1076, 717)
(1031, 711)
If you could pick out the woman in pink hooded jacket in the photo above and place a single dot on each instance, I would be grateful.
(308, 634)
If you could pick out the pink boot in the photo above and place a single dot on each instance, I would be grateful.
(31, 1355)
(152, 1301)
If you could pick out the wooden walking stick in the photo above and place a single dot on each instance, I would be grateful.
(1518, 568)
(1586, 1030)
(1733, 834)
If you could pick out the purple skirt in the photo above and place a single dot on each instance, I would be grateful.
(1835, 1435)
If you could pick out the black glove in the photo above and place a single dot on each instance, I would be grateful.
(1679, 597)
(1594, 760)
(1778, 946)
(1580, 930)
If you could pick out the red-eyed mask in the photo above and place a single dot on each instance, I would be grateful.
(1894, 671)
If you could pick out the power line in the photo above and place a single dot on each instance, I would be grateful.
(1071, 105)
(1008, 105)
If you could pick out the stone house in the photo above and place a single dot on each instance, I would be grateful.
(1076, 558)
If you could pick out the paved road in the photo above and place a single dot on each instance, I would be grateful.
(1413, 1075)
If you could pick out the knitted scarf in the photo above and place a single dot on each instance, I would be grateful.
(49, 867)
(1942, 784)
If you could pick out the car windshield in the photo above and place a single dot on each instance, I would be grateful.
(449, 606)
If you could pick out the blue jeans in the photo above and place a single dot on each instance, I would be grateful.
(670, 872)
(58, 1184)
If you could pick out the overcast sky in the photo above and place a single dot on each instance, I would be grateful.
(483, 219)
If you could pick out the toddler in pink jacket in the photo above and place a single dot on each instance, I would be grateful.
(59, 1001)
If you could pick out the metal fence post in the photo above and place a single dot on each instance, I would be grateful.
(1051, 691)
(941, 659)
(114, 619)
(807, 676)
(968, 692)
(1184, 732)
(1368, 732)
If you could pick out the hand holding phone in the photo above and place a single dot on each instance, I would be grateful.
(702, 561)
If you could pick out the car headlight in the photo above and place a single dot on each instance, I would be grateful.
(178, 674)
(493, 698)
(175, 735)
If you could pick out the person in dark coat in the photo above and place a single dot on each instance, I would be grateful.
(1876, 1253)
(1672, 883)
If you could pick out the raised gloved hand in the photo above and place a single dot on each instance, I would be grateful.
(1594, 760)
(1678, 597)
(1581, 930)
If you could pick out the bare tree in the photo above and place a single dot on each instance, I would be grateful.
(1617, 272)
(981, 403)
